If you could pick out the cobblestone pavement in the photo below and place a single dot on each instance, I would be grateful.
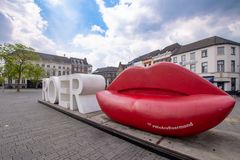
(29, 130)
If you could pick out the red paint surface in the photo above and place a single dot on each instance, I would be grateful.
(166, 99)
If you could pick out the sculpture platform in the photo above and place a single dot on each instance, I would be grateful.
(214, 144)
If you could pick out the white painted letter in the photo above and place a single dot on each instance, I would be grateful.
(83, 88)
(45, 89)
(53, 86)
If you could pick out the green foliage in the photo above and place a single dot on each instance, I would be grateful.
(1, 75)
(18, 61)
(35, 73)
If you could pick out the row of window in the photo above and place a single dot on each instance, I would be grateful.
(16, 81)
(220, 66)
(59, 73)
(80, 69)
(204, 53)
(77, 61)
(59, 67)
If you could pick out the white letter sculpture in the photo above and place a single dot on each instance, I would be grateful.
(53, 87)
(74, 92)
(79, 92)
(45, 89)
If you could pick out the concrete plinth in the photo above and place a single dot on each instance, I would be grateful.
(215, 144)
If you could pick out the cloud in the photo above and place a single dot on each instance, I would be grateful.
(138, 27)
(25, 24)
(235, 28)
(128, 28)
(96, 28)
(6, 28)
(54, 2)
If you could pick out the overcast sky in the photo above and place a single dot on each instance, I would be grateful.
(109, 31)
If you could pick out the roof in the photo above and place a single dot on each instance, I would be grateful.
(106, 69)
(81, 61)
(54, 58)
(205, 43)
(146, 56)
(122, 65)
(171, 48)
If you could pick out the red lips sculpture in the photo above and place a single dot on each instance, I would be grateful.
(165, 99)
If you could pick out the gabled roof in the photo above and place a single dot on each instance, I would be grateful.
(106, 69)
(53, 58)
(81, 61)
(205, 43)
(171, 48)
(122, 65)
(145, 56)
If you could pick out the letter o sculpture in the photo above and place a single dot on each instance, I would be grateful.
(53, 86)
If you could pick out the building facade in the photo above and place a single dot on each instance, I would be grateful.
(156, 56)
(80, 65)
(109, 73)
(53, 65)
(121, 67)
(215, 59)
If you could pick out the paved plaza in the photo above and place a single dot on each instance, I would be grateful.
(29, 130)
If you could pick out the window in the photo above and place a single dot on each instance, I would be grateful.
(54, 73)
(233, 52)
(67, 72)
(220, 50)
(53, 66)
(48, 66)
(43, 65)
(23, 81)
(174, 59)
(63, 67)
(192, 56)
(204, 53)
(193, 67)
(63, 72)
(220, 66)
(59, 67)
(204, 67)
(233, 84)
(232, 66)
(59, 73)
(183, 58)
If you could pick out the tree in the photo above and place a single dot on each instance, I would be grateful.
(2, 78)
(18, 59)
(35, 73)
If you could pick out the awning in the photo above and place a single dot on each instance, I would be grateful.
(221, 81)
